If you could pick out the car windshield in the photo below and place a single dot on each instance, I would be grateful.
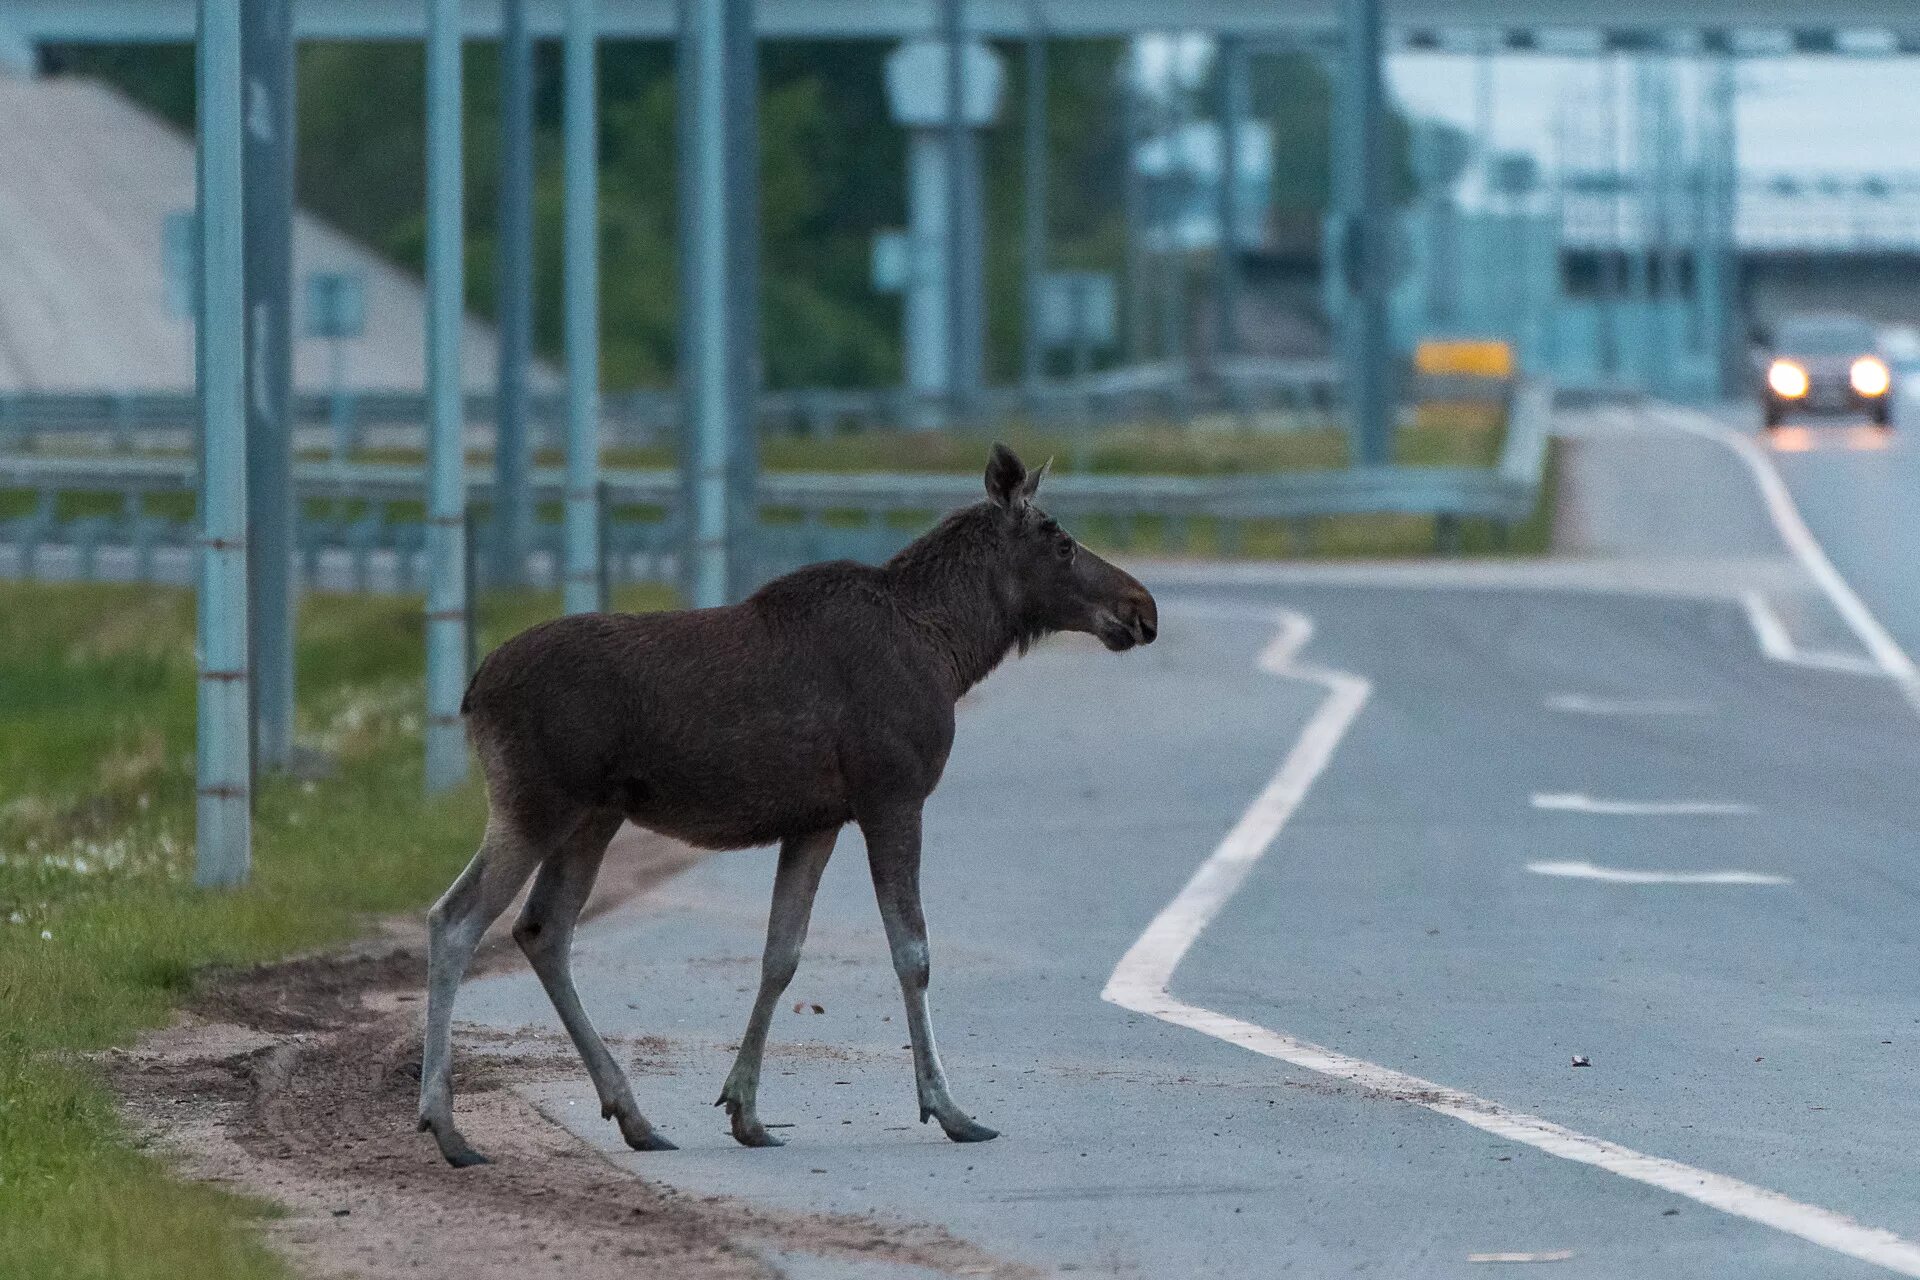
(1826, 338)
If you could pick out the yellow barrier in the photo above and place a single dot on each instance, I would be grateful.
(1473, 358)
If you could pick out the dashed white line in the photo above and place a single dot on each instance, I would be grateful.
(1621, 875)
(1574, 802)
(1586, 704)
(1140, 983)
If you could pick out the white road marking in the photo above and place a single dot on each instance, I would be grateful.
(1778, 643)
(1589, 705)
(1550, 1255)
(1573, 802)
(1785, 514)
(1620, 875)
(1140, 983)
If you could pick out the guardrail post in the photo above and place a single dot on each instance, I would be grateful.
(580, 573)
(446, 746)
(223, 849)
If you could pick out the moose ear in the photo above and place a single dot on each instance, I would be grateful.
(1032, 485)
(1007, 482)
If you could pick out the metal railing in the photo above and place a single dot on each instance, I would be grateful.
(360, 526)
(132, 421)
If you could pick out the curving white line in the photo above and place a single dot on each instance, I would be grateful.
(1141, 980)
(1778, 643)
(1621, 875)
(1787, 521)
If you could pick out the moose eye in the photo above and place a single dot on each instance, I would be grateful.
(1064, 546)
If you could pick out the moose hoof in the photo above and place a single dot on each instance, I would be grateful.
(970, 1131)
(746, 1127)
(634, 1128)
(751, 1133)
(452, 1146)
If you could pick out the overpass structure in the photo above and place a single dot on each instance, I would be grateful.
(1747, 27)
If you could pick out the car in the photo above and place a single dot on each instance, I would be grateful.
(1825, 364)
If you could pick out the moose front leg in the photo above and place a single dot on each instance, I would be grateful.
(893, 853)
(802, 859)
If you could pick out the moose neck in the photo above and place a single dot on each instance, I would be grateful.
(950, 586)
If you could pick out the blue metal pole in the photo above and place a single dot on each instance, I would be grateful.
(1369, 373)
(1035, 222)
(582, 583)
(1133, 206)
(224, 766)
(959, 207)
(446, 763)
(512, 446)
(1230, 72)
(719, 229)
(266, 41)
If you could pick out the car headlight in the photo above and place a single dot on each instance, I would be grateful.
(1787, 379)
(1870, 377)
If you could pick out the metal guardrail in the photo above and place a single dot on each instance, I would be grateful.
(360, 526)
(136, 420)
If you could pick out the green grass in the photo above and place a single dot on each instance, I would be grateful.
(101, 931)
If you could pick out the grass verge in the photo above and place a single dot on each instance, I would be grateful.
(101, 930)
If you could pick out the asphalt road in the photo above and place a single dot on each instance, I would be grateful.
(1476, 889)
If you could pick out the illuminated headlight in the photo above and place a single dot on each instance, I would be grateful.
(1788, 380)
(1870, 377)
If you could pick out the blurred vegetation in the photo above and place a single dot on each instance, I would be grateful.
(832, 175)
(101, 930)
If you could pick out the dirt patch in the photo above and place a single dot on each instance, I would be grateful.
(295, 1083)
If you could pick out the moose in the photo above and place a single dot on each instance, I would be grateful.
(826, 697)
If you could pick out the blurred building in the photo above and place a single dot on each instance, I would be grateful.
(88, 182)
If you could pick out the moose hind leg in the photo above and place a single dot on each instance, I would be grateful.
(454, 928)
(545, 933)
(802, 859)
(893, 853)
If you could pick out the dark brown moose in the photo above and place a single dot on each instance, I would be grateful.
(825, 698)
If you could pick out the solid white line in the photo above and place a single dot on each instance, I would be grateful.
(1620, 875)
(1588, 705)
(1778, 643)
(1775, 640)
(1785, 514)
(1140, 983)
(1573, 802)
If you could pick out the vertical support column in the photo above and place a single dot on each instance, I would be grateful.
(582, 589)
(266, 57)
(1369, 354)
(1230, 80)
(1607, 278)
(1166, 215)
(1133, 206)
(719, 293)
(962, 216)
(512, 443)
(222, 810)
(446, 763)
(1717, 264)
(1032, 365)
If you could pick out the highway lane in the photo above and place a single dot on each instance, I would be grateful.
(1738, 1028)
(1859, 490)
